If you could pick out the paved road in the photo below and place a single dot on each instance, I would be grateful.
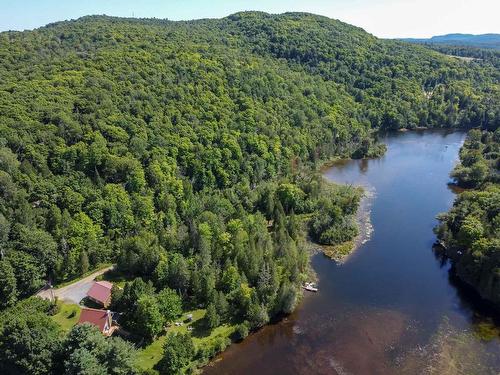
(76, 291)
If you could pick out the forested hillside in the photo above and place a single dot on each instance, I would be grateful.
(183, 151)
(471, 229)
(491, 41)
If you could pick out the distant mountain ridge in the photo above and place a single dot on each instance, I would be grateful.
(470, 40)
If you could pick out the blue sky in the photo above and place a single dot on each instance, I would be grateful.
(383, 18)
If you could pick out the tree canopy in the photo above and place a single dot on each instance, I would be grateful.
(185, 153)
(471, 229)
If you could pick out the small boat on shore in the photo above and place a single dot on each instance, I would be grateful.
(311, 287)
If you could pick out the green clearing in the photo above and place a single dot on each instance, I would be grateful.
(67, 316)
(151, 354)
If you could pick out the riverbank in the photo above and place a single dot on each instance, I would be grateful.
(341, 253)
(469, 230)
(379, 313)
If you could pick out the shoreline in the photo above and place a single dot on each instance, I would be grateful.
(324, 316)
(343, 252)
(363, 220)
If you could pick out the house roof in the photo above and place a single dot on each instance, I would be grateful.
(94, 316)
(100, 291)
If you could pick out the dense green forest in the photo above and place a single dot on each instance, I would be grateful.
(480, 56)
(184, 152)
(483, 41)
(471, 229)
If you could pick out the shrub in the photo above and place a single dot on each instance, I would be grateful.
(241, 331)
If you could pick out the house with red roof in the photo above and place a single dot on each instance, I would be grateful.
(100, 293)
(102, 319)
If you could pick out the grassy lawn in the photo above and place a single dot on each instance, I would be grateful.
(151, 354)
(68, 315)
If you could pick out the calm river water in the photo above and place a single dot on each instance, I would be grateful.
(392, 308)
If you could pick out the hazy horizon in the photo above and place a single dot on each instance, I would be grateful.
(385, 19)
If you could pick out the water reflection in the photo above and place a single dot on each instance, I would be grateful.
(363, 166)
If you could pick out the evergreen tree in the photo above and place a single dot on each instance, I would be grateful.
(222, 307)
(212, 318)
(257, 316)
(8, 285)
(84, 262)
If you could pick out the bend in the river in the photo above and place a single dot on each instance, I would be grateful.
(393, 307)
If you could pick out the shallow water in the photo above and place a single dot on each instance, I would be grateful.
(392, 308)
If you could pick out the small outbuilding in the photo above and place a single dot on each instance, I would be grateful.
(100, 293)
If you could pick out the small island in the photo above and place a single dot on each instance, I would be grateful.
(186, 155)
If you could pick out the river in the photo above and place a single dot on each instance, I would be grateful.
(392, 307)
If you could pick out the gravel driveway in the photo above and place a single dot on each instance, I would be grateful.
(76, 291)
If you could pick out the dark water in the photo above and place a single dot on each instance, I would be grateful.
(392, 307)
